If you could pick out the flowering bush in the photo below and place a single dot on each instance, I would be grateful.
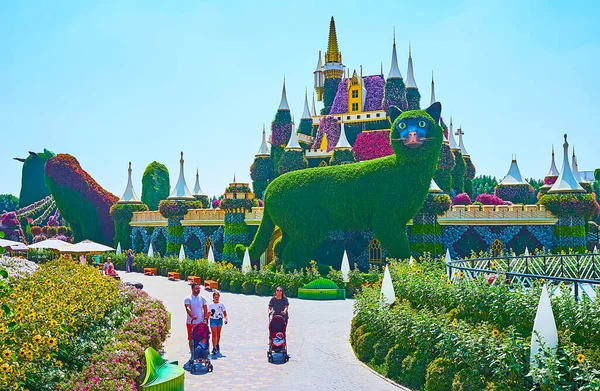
(291, 160)
(215, 203)
(489, 199)
(281, 128)
(372, 145)
(395, 94)
(237, 203)
(261, 172)
(17, 267)
(328, 125)
(517, 194)
(571, 205)
(462, 199)
(173, 209)
(375, 86)
(436, 204)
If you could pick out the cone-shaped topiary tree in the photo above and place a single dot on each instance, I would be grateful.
(155, 184)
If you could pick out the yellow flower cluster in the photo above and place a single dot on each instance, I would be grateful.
(48, 308)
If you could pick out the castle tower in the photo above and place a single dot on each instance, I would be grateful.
(355, 94)
(413, 96)
(566, 182)
(394, 93)
(333, 70)
(129, 196)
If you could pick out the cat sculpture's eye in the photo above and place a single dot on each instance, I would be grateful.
(422, 124)
(402, 125)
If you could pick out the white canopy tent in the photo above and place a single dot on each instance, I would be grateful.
(86, 246)
(50, 244)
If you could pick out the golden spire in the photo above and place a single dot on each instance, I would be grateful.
(333, 52)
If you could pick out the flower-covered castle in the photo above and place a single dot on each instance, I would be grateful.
(352, 125)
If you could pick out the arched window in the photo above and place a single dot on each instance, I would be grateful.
(207, 246)
(323, 163)
(375, 251)
(497, 248)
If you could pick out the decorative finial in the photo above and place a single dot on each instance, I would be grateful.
(129, 167)
(181, 159)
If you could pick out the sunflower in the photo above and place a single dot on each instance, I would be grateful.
(462, 275)
(448, 282)
(418, 271)
(580, 358)
(37, 339)
(454, 322)
(495, 332)
(52, 341)
(5, 368)
(6, 353)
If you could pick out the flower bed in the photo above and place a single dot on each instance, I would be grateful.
(17, 267)
(441, 335)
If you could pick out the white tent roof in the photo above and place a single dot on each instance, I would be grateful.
(394, 70)
(434, 188)
(129, 196)
(293, 141)
(410, 77)
(197, 189)
(86, 246)
(566, 182)
(51, 244)
(343, 141)
(8, 243)
(513, 177)
(451, 139)
(553, 171)
(181, 191)
(306, 114)
(283, 105)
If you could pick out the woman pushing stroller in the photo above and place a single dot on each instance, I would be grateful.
(278, 305)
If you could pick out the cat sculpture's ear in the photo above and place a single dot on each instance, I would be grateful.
(392, 113)
(435, 111)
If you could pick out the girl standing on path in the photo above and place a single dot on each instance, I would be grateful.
(217, 314)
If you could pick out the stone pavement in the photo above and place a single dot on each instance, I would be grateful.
(321, 356)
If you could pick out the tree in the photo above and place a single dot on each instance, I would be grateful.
(155, 185)
(8, 203)
(484, 184)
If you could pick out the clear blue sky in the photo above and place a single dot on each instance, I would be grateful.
(112, 81)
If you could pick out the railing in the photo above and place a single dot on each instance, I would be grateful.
(148, 218)
(580, 270)
(193, 217)
(497, 214)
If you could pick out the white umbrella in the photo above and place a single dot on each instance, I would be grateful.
(86, 246)
(18, 247)
(246, 266)
(150, 250)
(51, 244)
(544, 326)
(388, 296)
(526, 252)
(181, 254)
(8, 243)
(119, 248)
(345, 268)
(211, 255)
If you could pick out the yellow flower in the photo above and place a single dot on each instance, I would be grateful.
(52, 341)
(418, 271)
(454, 322)
(455, 273)
(5, 368)
(7, 353)
(495, 333)
(462, 274)
(493, 264)
(580, 358)
(448, 282)
(37, 339)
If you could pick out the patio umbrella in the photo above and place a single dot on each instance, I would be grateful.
(50, 244)
(18, 247)
(86, 246)
(211, 255)
(8, 243)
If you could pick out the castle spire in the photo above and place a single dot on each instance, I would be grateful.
(283, 105)
(575, 167)
(410, 77)
(432, 90)
(513, 177)
(129, 196)
(333, 52)
(460, 134)
(314, 109)
(197, 189)
(319, 78)
(306, 113)
(264, 148)
(394, 70)
(566, 182)
(553, 171)
(343, 141)
(181, 191)
(293, 141)
(451, 136)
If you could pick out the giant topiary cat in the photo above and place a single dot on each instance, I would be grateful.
(381, 195)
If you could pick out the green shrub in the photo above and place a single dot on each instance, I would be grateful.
(155, 184)
(358, 332)
(224, 284)
(439, 375)
(393, 361)
(235, 286)
(413, 371)
(364, 346)
(381, 350)
(263, 289)
(248, 288)
(354, 324)
(467, 380)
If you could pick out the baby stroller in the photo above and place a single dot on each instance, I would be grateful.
(200, 354)
(277, 338)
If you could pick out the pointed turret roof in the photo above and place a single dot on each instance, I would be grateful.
(451, 136)
(566, 182)
(181, 191)
(314, 109)
(432, 90)
(264, 148)
(434, 188)
(394, 70)
(553, 171)
(461, 145)
(333, 52)
(575, 167)
(343, 141)
(319, 64)
(129, 196)
(364, 90)
(514, 175)
(306, 113)
(410, 76)
(293, 142)
(283, 105)
(197, 189)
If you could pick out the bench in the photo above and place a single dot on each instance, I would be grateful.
(173, 276)
(193, 279)
(160, 374)
(210, 285)
(150, 271)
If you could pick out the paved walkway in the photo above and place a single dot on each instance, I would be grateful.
(321, 356)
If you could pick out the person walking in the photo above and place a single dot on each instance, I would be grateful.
(278, 305)
(218, 314)
(196, 308)
(129, 261)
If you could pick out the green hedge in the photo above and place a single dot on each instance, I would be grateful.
(155, 184)
(121, 215)
(458, 172)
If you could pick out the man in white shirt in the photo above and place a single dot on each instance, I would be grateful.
(197, 311)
